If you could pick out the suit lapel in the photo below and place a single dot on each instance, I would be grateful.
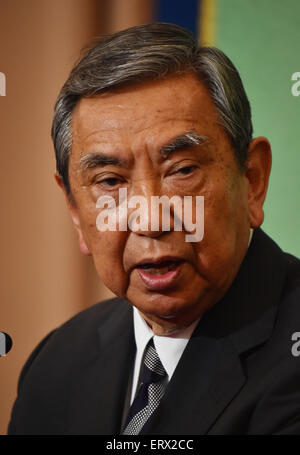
(98, 392)
(208, 376)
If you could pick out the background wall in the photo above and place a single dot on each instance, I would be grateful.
(262, 38)
(44, 278)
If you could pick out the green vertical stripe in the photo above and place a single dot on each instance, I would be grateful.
(262, 39)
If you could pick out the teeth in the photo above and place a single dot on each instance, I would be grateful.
(160, 269)
(173, 265)
(157, 271)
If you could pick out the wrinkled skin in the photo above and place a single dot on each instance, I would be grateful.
(133, 124)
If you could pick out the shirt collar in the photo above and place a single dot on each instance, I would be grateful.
(169, 348)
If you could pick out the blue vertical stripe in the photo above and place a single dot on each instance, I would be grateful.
(181, 12)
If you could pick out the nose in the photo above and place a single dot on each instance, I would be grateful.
(146, 215)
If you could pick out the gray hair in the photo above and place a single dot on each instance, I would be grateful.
(151, 52)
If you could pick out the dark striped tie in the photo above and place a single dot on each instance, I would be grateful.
(150, 392)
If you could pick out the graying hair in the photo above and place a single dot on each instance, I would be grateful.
(151, 52)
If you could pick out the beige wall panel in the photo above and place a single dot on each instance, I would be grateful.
(43, 274)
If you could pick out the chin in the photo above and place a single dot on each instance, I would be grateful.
(168, 308)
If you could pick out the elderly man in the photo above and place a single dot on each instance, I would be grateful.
(200, 337)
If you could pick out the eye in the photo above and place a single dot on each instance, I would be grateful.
(186, 169)
(109, 182)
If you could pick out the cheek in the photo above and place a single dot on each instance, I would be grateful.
(107, 249)
(225, 203)
(225, 231)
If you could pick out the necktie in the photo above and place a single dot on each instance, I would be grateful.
(150, 392)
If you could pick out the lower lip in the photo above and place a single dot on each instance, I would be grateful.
(159, 282)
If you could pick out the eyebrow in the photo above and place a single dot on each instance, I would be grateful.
(94, 159)
(186, 140)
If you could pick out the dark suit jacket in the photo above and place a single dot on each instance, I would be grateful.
(237, 374)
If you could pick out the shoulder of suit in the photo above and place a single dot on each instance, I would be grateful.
(276, 258)
(97, 312)
(293, 274)
(76, 338)
(289, 306)
(88, 320)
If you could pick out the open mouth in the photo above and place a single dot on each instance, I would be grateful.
(160, 267)
(160, 274)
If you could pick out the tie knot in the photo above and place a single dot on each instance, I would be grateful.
(153, 368)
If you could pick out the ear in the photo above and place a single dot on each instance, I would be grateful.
(74, 215)
(258, 172)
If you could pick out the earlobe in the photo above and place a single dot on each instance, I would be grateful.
(83, 246)
(75, 217)
(258, 172)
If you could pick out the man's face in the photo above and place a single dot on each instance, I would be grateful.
(131, 127)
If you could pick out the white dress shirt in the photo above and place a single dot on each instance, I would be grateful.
(168, 348)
